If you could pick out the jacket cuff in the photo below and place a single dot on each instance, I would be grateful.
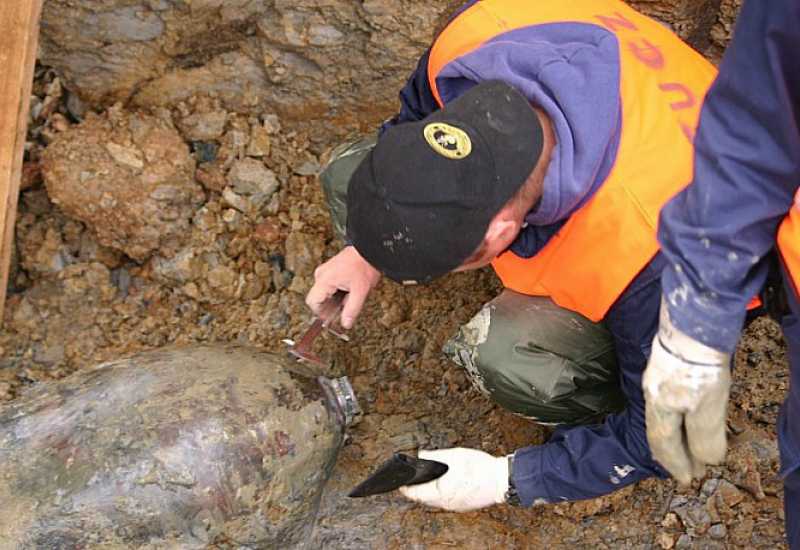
(712, 323)
(684, 347)
(527, 476)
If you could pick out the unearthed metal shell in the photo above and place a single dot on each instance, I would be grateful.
(177, 448)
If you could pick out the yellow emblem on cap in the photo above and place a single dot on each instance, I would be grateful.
(448, 141)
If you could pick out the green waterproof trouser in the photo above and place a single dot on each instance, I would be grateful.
(335, 178)
(539, 360)
(529, 355)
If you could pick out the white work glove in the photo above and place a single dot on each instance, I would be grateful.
(475, 480)
(686, 386)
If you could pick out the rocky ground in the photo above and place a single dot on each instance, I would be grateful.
(197, 224)
(200, 219)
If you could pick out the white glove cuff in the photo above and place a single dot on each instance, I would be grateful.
(501, 479)
(683, 346)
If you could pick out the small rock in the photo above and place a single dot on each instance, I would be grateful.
(712, 509)
(249, 177)
(744, 464)
(232, 217)
(25, 315)
(303, 253)
(191, 290)
(272, 123)
(205, 319)
(678, 500)
(167, 193)
(36, 106)
(325, 35)
(404, 442)
(239, 202)
(76, 107)
(211, 177)
(126, 156)
(665, 540)
(31, 175)
(718, 531)
(181, 268)
(409, 340)
(730, 495)
(742, 532)
(253, 288)
(308, 168)
(205, 151)
(262, 269)
(685, 541)
(268, 231)
(280, 279)
(204, 126)
(300, 284)
(259, 145)
(49, 354)
(670, 521)
(222, 277)
(91, 251)
(121, 278)
(697, 518)
(273, 205)
(251, 185)
(709, 487)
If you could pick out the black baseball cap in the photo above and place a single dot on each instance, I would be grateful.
(419, 204)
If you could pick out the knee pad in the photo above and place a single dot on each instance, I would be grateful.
(539, 360)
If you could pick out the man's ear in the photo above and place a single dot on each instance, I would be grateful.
(501, 230)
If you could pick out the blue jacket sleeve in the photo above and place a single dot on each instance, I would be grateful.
(716, 232)
(588, 461)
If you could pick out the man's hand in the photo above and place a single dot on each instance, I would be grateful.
(686, 386)
(475, 480)
(346, 271)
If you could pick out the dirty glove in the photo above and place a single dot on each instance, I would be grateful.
(686, 386)
(475, 480)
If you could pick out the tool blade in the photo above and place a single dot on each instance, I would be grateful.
(399, 470)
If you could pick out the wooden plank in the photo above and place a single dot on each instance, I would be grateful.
(19, 36)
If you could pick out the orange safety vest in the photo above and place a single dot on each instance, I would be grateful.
(788, 241)
(601, 248)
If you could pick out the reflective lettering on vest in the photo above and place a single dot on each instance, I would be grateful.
(688, 100)
(606, 243)
(615, 22)
(648, 53)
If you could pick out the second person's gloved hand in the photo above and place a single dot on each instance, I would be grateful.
(475, 480)
(686, 386)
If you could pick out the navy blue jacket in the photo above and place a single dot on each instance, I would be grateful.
(717, 232)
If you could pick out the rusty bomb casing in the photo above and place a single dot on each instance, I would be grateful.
(176, 448)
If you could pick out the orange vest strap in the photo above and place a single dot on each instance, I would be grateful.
(789, 243)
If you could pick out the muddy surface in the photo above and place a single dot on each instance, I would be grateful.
(91, 284)
(183, 447)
